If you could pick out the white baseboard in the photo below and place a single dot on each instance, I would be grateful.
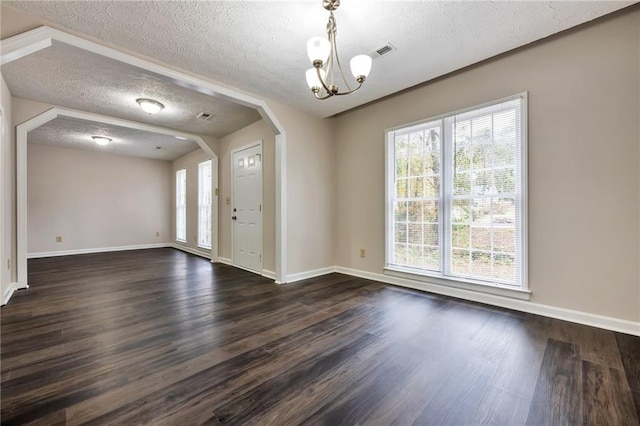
(190, 250)
(291, 278)
(95, 250)
(11, 288)
(594, 320)
(269, 274)
(265, 272)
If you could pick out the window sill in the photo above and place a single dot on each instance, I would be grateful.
(181, 241)
(460, 283)
(205, 249)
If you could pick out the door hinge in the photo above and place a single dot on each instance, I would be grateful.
(217, 191)
(260, 207)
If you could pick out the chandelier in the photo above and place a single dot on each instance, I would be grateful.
(323, 53)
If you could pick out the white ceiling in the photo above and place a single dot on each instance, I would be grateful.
(69, 132)
(260, 46)
(74, 78)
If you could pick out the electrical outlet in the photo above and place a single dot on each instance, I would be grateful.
(363, 253)
(58, 239)
(157, 234)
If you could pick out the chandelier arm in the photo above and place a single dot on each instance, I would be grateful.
(322, 98)
(324, 84)
(350, 91)
(335, 48)
(329, 70)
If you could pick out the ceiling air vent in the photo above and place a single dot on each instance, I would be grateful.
(204, 116)
(385, 49)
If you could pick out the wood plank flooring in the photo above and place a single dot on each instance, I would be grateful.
(165, 338)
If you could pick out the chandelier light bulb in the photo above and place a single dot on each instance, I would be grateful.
(318, 49)
(312, 78)
(361, 66)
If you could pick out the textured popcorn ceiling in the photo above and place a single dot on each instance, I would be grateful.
(74, 78)
(260, 46)
(68, 132)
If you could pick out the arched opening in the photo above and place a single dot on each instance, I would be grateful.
(40, 38)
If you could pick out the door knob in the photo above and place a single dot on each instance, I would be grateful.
(233, 217)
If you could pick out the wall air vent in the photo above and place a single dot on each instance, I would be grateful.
(385, 49)
(204, 116)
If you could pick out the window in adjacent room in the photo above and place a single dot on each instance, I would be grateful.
(456, 193)
(181, 206)
(204, 204)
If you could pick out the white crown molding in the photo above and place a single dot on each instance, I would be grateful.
(40, 38)
(25, 44)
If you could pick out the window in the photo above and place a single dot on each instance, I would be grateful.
(181, 206)
(456, 196)
(204, 204)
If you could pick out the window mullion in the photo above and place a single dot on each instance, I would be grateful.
(446, 187)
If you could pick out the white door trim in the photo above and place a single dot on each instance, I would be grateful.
(29, 42)
(233, 152)
(5, 273)
(21, 171)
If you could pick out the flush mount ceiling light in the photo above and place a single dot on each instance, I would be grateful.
(323, 54)
(150, 106)
(101, 140)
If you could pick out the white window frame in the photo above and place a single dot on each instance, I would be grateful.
(181, 175)
(201, 168)
(442, 278)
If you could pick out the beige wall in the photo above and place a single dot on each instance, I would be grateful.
(583, 162)
(95, 200)
(259, 131)
(7, 171)
(25, 109)
(310, 189)
(189, 162)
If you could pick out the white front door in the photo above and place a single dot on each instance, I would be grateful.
(247, 208)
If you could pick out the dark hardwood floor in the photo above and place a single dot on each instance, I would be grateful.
(162, 337)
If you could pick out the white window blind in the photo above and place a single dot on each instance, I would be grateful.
(181, 205)
(416, 204)
(455, 196)
(204, 204)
